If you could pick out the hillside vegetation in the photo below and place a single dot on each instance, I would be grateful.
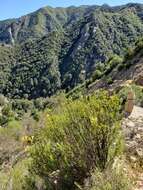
(65, 74)
(122, 72)
(53, 49)
(69, 146)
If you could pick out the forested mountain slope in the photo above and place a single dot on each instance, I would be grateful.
(59, 48)
(129, 71)
(48, 19)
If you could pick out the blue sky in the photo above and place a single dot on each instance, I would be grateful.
(17, 8)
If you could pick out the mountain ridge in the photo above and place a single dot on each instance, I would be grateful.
(72, 44)
(26, 21)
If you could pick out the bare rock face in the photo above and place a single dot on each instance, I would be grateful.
(133, 133)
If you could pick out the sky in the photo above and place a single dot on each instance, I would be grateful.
(17, 8)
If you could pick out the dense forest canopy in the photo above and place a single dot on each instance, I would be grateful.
(53, 49)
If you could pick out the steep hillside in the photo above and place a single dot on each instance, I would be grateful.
(39, 23)
(7, 60)
(60, 48)
(128, 71)
(36, 72)
(47, 19)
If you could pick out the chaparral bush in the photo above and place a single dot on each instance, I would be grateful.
(85, 134)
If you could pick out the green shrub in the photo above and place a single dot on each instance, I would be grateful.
(12, 130)
(3, 120)
(109, 80)
(6, 115)
(110, 179)
(35, 115)
(112, 63)
(23, 105)
(2, 100)
(96, 75)
(18, 178)
(121, 66)
(136, 90)
(88, 82)
(139, 44)
(7, 111)
(129, 54)
(85, 134)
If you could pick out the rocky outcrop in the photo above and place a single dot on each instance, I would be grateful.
(133, 132)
